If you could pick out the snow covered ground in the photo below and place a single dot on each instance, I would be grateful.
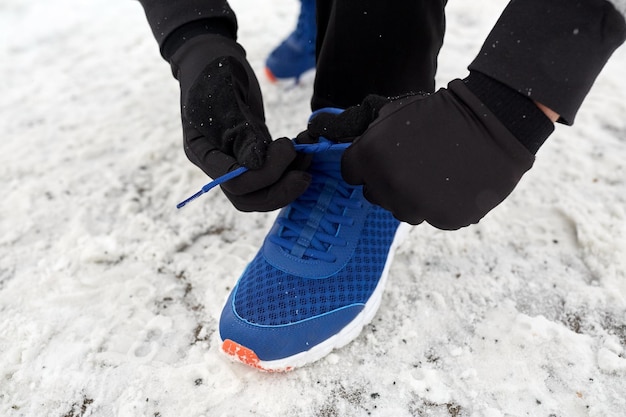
(109, 296)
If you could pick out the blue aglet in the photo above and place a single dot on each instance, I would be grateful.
(229, 176)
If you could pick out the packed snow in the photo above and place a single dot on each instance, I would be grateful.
(110, 297)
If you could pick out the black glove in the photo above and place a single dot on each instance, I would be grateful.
(442, 158)
(224, 125)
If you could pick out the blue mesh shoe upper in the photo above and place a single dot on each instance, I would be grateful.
(296, 54)
(269, 296)
(318, 266)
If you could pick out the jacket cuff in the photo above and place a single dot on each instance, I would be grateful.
(167, 18)
(516, 112)
(552, 50)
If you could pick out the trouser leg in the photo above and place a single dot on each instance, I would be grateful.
(375, 47)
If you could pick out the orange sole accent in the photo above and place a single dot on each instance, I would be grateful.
(270, 75)
(246, 356)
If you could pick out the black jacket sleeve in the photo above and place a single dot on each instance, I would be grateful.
(552, 50)
(173, 20)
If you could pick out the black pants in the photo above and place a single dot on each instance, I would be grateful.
(385, 47)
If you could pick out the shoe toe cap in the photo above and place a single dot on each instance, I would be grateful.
(269, 343)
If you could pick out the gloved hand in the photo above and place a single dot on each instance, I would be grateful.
(442, 158)
(224, 125)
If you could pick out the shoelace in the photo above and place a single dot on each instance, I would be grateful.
(304, 148)
(311, 226)
(208, 187)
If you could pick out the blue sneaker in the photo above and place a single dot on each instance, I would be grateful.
(296, 54)
(317, 279)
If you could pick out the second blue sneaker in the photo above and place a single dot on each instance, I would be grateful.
(317, 279)
(296, 54)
